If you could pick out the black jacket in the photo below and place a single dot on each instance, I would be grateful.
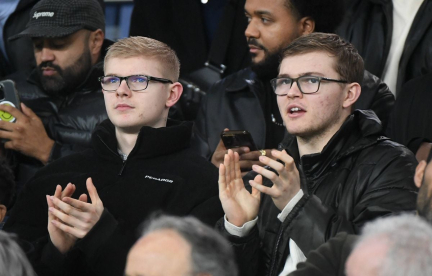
(69, 120)
(19, 51)
(359, 176)
(161, 173)
(234, 103)
(411, 120)
(368, 24)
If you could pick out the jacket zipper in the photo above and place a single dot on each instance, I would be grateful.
(116, 154)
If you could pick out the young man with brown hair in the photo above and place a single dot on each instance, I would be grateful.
(140, 162)
(338, 173)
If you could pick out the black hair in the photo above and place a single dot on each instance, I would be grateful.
(327, 14)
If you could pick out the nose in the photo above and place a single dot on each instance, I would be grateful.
(294, 91)
(123, 90)
(251, 30)
(47, 54)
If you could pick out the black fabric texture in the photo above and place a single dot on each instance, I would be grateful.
(160, 174)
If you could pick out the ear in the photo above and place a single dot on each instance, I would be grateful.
(419, 173)
(174, 94)
(307, 25)
(3, 210)
(95, 44)
(353, 91)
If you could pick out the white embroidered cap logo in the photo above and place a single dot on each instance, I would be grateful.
(43, 14)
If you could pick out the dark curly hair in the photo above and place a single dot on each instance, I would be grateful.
(327, 14)
(7, 183)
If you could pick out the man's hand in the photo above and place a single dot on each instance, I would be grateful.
(239, 205)
(27, 135)
(62, 240)
(77, 217)
(285, 185)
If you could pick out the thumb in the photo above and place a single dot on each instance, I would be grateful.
(92, 191)
(27, 111)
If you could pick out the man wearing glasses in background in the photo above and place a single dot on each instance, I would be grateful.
(338, 173)
(140, 162)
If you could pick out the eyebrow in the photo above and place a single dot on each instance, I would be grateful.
(302, 74)
(259, 12)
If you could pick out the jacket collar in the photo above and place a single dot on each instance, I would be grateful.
(243, 79)
(151, 142)
(360, 130)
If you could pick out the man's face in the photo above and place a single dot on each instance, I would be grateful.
(366, 259)
(424, 198)
(272, 26)
(130, 110)
(315, 115)
(63, 63)
(161, 253)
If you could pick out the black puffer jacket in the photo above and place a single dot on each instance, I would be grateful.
(359, 176)
(368, 24)
(234, 103)
(69, 121)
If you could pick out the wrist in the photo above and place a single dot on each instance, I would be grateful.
(46, 151)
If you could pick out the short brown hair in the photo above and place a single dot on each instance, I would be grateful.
(139, 46)
(349, 64)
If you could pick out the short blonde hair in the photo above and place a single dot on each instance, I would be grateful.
(139, 46)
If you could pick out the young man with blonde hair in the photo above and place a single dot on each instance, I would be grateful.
(139, 163)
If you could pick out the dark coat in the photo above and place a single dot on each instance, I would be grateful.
(411, 120)
(69, 120)
(359, 175)
(329, 259)
(368, 24)
(234, 103)
(161, 173)
(180, 25)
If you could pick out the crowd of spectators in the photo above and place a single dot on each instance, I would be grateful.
(114, 164)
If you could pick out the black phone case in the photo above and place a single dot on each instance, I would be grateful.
(238, 138)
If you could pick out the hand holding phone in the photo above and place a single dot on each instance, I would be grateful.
(8, 96)
(237, 139)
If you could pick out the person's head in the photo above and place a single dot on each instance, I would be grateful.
(7, 186)
(180, 246)
(13, 261)
(67, 37)
(318, 114)
(392, 246)
(145, 98)
(423, 180)
(274, 24)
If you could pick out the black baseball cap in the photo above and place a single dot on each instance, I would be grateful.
(59, 18)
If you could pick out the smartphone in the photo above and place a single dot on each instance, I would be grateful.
(238, 139)
(8, 96)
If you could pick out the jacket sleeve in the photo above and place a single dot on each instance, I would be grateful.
(380, 189)
(246, 249)
(328, 259)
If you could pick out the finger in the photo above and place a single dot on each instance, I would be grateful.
(68, 229)
(77, 204)
(241, 151)
(246, 165)
(94, 196)
(8, 126)
(221, 182)
(263, 189)
(255, 192)
(232, 165)
(266, 173)
(286, 158)
(277, 166)
(67, 219)
(50, 205)
(12, 111)
(28, 111)
(237, 171)
(65, 207)
(58, 191)
(253, 155)
(68, 190)
(83, 198)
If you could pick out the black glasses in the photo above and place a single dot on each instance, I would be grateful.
(306, 84)
(135, 82)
